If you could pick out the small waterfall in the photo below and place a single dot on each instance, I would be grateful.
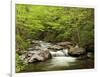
(65, 51)
(55, 52)
(60, 53)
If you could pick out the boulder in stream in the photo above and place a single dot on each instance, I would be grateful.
(76, 51)
(36, 56)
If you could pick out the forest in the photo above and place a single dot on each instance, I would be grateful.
(53, 24)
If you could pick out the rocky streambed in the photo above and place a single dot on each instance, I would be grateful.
(42, 51)
(43, 56)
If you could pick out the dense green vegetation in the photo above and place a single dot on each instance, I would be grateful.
(19, 64)
(54, 24)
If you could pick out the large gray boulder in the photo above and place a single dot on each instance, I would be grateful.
(76, 51)
(36, 56)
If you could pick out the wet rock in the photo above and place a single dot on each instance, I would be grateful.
(65, 44)
(36, 56)
(81, 57)
(30, 49)
(55, 47)
(76, 51)
(40, 56)
(90, 55)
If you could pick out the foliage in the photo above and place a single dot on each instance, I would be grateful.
(19, 64)
(54, 24)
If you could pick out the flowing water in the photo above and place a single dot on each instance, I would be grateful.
(59, 61)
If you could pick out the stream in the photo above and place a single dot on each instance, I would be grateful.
(59, 61)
